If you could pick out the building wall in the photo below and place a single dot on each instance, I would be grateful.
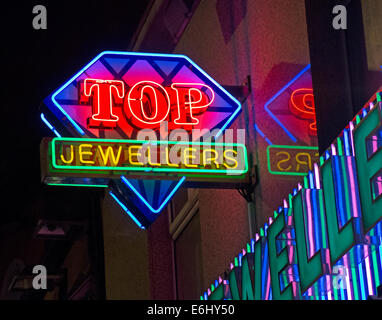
(371, 10)
(126, 255)
(230, 40)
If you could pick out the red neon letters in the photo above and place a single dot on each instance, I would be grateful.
(104, 95)
(146, 104)
(302, 105)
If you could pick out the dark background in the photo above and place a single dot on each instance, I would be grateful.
(34, 64)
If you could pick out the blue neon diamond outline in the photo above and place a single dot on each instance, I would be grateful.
(291, 136)
(160, 208)
(131, 215)
(80, 131)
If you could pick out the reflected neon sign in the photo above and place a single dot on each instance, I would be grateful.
(301, 104)
(291, 160)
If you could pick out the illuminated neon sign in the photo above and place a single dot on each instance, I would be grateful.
(146, 104)
(291, 160)
(128, 91)
(159, 156)
(325, 241)
(116, 97)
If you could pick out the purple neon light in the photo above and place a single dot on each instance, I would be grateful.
(310, 223)
(352, 187)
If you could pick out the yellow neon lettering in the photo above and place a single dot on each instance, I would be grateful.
(131, 154)
(187, 155)
(149, 156)
(167, 159)
(213, 159)
(82, 153)
(230, 159)
(283, 160)
(71, 156)
(113, 159)
(299, 161)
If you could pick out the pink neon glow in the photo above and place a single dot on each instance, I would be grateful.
(290, 220)
(220, 280)
(351, 127)
(290, 247)
(368, 274)
(135, 102)
(317, 176)
(257, 237)
(119, 88)
(329, 287)
(348, 286)
(352, 188)
(327, 254)
(268, 289)
(299, 186)
(295, 288)
(330, 295)
(334, 151)
(285, 204)
(375, 143)
(310, 224)
(231, 266)
(289, 274)
(192, 105)
(270, 220)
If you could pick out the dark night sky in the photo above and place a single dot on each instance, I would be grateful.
(36, 62)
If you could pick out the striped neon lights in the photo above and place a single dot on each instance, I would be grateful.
(358, 273)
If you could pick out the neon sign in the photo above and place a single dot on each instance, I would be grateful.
(159, 156)
(291, 160)
(127, 91)
(325, 241)
(146, 104)
(116, 96)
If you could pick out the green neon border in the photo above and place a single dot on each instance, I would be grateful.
(286, 147)
(146, 169)
(77, 185)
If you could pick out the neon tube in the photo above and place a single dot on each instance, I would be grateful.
(126, 210)
(145, 201)
(277, 95)
(262, 134)
(368, 274)
(49, 125)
